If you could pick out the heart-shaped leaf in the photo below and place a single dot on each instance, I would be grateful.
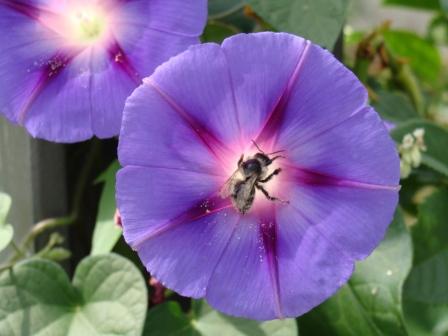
(320, 21)
(168, 319)
(6, 230)
(370, 304)
(394, 106)
(6, 234)
(426, 292)
(108, 297)
(106, 232)
(5, 205)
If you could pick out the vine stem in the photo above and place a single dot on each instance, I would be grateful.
(7, 266)
(41, 227)
(53, 223)
(16, 247)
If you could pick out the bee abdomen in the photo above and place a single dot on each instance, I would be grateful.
(247, 203)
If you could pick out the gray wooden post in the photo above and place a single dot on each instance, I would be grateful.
(33, 173)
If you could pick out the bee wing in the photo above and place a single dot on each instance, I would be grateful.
(227, 188)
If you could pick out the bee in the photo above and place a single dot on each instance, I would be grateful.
(249, 176)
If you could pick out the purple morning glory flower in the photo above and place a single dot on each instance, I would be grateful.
(67, 67)
(284, 103)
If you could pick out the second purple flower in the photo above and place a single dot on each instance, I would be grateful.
(67, 67)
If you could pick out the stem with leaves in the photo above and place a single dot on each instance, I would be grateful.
(21, 252)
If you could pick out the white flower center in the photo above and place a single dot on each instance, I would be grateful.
(80, 24)
(87, 25)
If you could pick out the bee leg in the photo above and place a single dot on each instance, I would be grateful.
(268, 178)
(240, 161)
(269, 197)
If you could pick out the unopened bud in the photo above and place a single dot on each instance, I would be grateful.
(117, 218)
(410, 150)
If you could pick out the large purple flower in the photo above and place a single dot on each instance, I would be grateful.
(67, 67)
(183, 135)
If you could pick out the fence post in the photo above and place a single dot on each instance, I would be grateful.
(33, 173)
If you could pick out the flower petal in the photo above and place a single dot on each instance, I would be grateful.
(261, 66)
(80, 97)
(58, 108)
(355, 218)
(150, 32)
(241, 284)
(151, 198)
(206, 92)
(185, 18)
(146, 49)
(359, 149)
(178, 235)
(110, 85)
(25, 47)
(324, 94)
(276, 267)
(184, 258)
(162, 139)
(311, 267)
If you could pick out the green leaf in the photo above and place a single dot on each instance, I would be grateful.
(320, 21)
(444, 5)
(216, 31)
(6, 230)
(6, 234)
(106, 232)
(108, 297)
(436, 140)
(428, 281)
(394, 106)
(426, 319)
(426, 291)
(5, 205)
(413, 186)
(222, 8)
(210, 322)
(56, 254)
(167, 319)
(430, 234)
(438, 29)
(370, 304)
(423, 4)
(422, 56)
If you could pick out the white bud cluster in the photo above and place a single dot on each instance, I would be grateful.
(410, 150)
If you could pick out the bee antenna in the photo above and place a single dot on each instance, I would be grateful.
(253, 141)
(279, 151)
